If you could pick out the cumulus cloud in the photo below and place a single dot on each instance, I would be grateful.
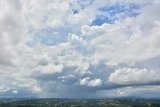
(131, 40)
(11, 31)
(134, 76)
(50, 68)
(48, 45)
(91, 82)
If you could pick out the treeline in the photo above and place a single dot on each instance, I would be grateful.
(79, 103)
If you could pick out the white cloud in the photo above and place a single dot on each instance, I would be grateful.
(134, 76)
(91, 82)
(50, 68)
(15, 91)
(22, 54)
(123, 43)
(45, 13)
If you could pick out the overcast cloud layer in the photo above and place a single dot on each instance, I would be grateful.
(80, 48)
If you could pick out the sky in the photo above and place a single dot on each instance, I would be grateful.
(79, 48)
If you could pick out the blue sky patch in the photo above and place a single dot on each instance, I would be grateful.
(99, 20)
(116, 12)
(75, 11)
